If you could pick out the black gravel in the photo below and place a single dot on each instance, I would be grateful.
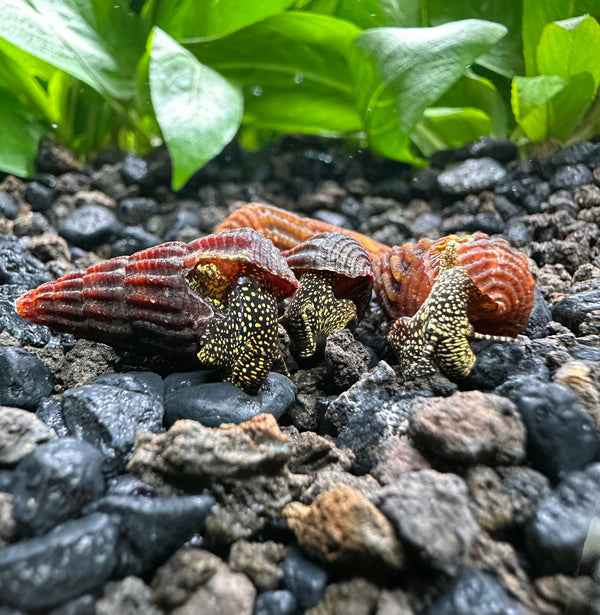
(74, 520)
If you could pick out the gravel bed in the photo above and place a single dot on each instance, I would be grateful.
(133, 483)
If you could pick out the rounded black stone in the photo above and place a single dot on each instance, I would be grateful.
(39, 196)
(18, 266)
(26, 332)
(192, 396)
(54, 482)
(24, 379)
(472, 175)
(276, 602)
(572, 176)
(304, 578)
(89, 226)
(475, 593)
(133, 239)
(572, 310)
(8, 207)
(136, 210)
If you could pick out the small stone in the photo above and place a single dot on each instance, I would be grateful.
(430, 512)
(473, 175)
(136, 210)
(8, 525)
(49, 411)
(344, 528)
(561, 435)
(471, 427)
(55, 158)
(135, 171)
(330, 479)
(19, 266)
(181, 575)
(132, 239)
(130, 596)
(84, 362)
(571, 176)
(355, 597)
(152, 529)
(24, 331)
(395, 457)
(82, 605)
(525, 488)
(89, 226)
(54, 483)
(24, 379)
(572, 310)
(304, 578)
(74, 558)
(491, 505)
(109, 417)
(48, 247)
(189, 396)
(259, 561)
(475, 593)
(276, 602)
(560, 594)
(556, 535)
(346, 359)
(225, 593)
(9, 208)
(20, 432)
(40, 197)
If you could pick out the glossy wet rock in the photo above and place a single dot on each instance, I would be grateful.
(89, 226)
(472, 175)
(24, 379)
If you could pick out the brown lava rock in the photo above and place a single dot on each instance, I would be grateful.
(344, 528)
(470, 427)
(258, 560)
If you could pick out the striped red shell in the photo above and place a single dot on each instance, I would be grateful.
(405, 275)
(144, 300)
(287, 230)
(342, 258)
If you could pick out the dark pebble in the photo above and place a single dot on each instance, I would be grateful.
(473, 175)
(586, 152)
(152, 529)
(39, 196)
(24, 379)
(498, 149)
(304, 578)
(190, 396)
(74, 558)
(556, 535)
(27, 333)
(571, 176)
(8, 207)
(183, 219)
(133, 239)
(561, 435)
(496, 362)
(136, 210)
(49, 411)
(18, 266)
(89, 226)
(475, 593)
(486, 222)
(54, 482)
(571, 311)
(332, 217)
(136, 171)
(540, 316)
(108, 417)
(276, 602)
(129, 485)
(83, 605)
(148, 383)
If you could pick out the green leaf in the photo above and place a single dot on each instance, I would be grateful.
(399, 72)
(372, 13)
(190, 21)
(293, 71)
(446, 128)
(570, 47)
(537, 13)
(505, 58)
(54, 32)
(20, 137)
(199, 111)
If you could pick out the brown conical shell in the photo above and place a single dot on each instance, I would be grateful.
(342, 258)
(405, 275)
(243, 251)
(287, 230)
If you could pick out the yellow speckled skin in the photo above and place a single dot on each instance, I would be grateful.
(244, 343)
(439, 334)
(315, 312)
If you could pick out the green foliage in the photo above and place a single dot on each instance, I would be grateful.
(407, 78)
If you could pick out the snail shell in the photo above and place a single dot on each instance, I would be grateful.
(342, 259)
(287, 230)
(405, 275)
(145, 300)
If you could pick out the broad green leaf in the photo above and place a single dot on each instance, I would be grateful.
(399, 72)
(505, 58)
(20, 137)
(570, 47)
(446, 128)
(293, 71)
(372, 13)
(52, 31)
(537, 13)
(190, 21)
(199, 112)
(529, 98)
